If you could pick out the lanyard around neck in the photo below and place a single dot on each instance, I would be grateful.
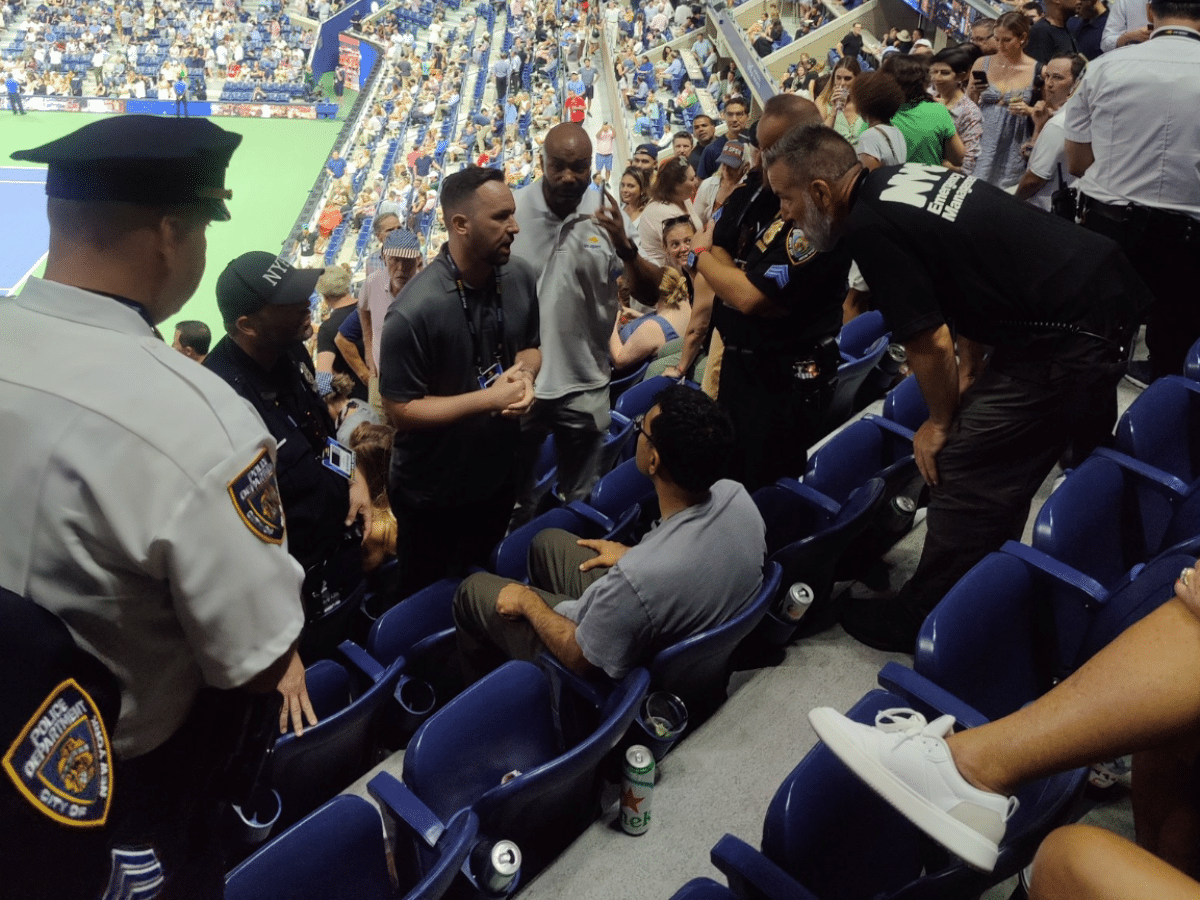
(1175, 32)
(497, 306)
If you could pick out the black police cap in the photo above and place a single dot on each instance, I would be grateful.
(58, 777)
(259, 279)
(141, 159)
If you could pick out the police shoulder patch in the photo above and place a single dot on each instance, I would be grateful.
(255, 496)
(61, 762)
(799, 250)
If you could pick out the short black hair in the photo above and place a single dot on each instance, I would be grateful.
(912, 74)
(194, 335)
(458, 189)
(740, 101)
(683, 134)
(693, 436)
(1169, 9)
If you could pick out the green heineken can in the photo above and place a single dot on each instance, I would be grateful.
(637, 787)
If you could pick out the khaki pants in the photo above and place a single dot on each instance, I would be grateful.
(486, 639)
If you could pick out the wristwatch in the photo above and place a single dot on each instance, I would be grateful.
(695, 255)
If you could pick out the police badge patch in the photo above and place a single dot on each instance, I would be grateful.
(799, 250)
(255, 496)
(60, 761)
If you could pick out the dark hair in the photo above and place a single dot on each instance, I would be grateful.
(911, 73)
(989, 24)
(813, 152)
(740, 101)
(1078, 62)
(959, 59)
(639, 176)
(372, 446)
(195, 336)
(693, 436)
(1168, 9)
(1015, 22)
(672, 172)
(459, 189)
(674, 221)
(702, 116)
(876, 95)
(341, 386)
(1035, 6)
(683, 134)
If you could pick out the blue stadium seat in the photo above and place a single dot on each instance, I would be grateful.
(1162, 427)
(705, 889)
(905, 405)
(852, 375)
(828, 835)
(639, 399)
(510, 556)
(540, 721)
(869, 448)
(339, 852)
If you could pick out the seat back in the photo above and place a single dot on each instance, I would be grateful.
(905, 404)
(620, 489)
(336, 852)
(413, 619)
(696, 669)
(860, 451)
(311, 768)
(860, 334)
(510, 558)
(512, 712)
(624, 380)
(851, 376)
(639, 398)
(1162, 427)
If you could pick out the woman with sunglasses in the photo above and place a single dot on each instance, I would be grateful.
(675, 184)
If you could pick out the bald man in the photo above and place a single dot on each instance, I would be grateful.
(575, 240)
(778, 310)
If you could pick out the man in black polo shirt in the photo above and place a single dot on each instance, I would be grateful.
(457, 364)
(851, 45)
(778, 311)
(1049, 34)
(1059, 325)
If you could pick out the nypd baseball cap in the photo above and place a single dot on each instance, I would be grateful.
(259, 279)
(149, 160)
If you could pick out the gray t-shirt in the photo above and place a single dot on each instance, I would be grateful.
(692, 572)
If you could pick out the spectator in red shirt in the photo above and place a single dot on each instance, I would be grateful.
(576, 107)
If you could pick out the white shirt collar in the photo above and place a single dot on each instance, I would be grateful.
(77, 305)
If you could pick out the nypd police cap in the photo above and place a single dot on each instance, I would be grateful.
(259, 279)
(140, 159)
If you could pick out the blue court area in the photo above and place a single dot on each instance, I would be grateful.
(24, 231)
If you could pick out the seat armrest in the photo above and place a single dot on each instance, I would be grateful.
(399, 804)
(1144, 470)
(1061, 572)
(751, 875)
(812, 495)
(594, 516)
(922, 692)
(888, 425)
(362, 660)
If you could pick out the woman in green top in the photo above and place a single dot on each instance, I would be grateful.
(835, 105)
(926, 125)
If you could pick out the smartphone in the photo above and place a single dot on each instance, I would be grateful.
(980, 77)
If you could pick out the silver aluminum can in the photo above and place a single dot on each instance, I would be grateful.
(637, 788)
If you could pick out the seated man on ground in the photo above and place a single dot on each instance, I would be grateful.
(598, 604)
(1138, 695)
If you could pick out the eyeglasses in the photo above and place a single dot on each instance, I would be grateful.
(638, 422)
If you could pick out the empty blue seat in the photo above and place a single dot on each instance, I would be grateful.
(905, 405)
(1162, 427)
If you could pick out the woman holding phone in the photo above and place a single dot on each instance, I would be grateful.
(1002, 86)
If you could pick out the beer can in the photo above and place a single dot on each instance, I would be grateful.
(495, 866)
(796, 602)
(637, 787)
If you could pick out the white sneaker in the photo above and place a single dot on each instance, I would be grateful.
(906, 761)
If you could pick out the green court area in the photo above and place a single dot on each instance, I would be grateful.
(271, 175)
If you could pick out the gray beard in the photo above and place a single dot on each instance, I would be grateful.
(818, 229)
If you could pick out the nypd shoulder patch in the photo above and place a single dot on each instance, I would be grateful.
(255, 495)
(780, 274)
(61, 761)
(799, 249)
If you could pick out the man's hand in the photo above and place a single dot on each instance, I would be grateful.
(1137, 36)
(704, 239)
(609, 553)
(1187, 589)
(296, 704)
(927, 444)
(522, 406)
(510, 603)
(673, 372)
(507, 389)
(360, 503)
(610, 219)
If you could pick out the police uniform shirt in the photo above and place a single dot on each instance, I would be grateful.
(780, 263)
(139, 505)
(1140, 111)
(427, 350)
(315, 498)
(939, 247)
(577, 290)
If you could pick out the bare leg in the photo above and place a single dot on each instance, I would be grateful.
(1080, 862)
(1139, 692)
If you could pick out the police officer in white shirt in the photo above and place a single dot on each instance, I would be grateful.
(1132, 137)
(138, 490)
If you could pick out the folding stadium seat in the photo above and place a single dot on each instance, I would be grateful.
(510, 556)
(868, 448)
(905, 405)
(624, 380)
(808, 533)
(696, 670)
(1162, 427)
(1191, 363)
(1113, 513)
(828, 835)
(859, 362)
(339, 852)
(549, 726)
(639, 399)
(705, 889)
(308, 770)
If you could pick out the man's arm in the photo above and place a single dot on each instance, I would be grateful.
(734, 288)
(352, 357)
(1079, 157)
(1029, 185)
(931, 358)
(518, 601)
(697, 329)
(438, 412)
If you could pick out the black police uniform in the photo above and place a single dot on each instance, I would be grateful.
(777, 374)
(315, 498)
(1059, 322)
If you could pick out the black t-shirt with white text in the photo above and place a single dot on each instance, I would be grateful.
(936, 247)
